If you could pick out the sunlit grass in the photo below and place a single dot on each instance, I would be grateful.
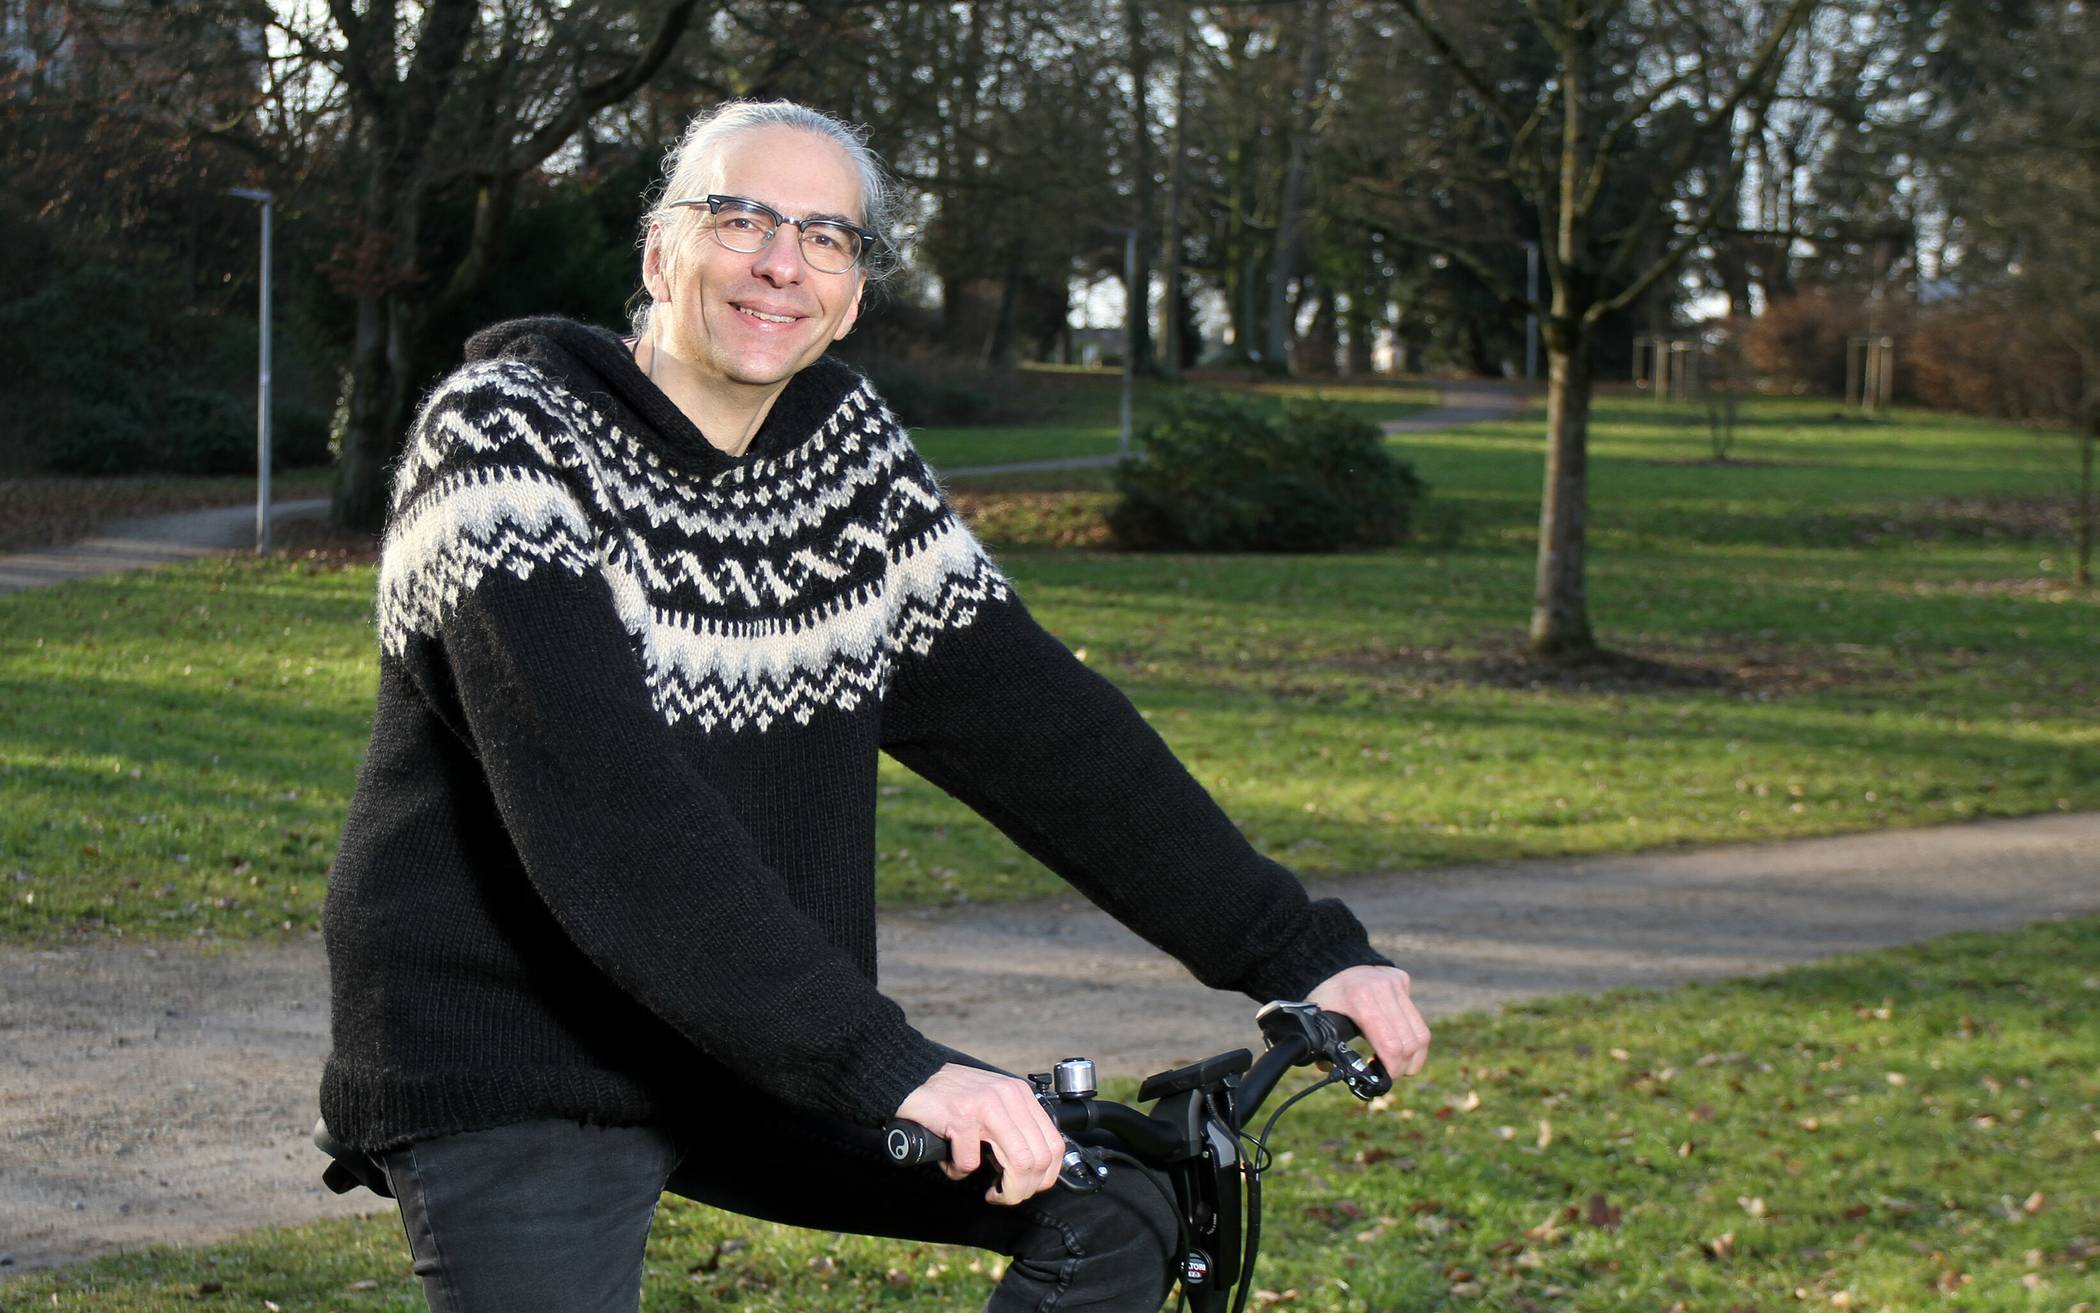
(177, 748)
(1905, 1132)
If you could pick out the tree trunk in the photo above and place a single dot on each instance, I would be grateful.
(360, 472)
(998, 344)
(1170, 305)
(1276, 357)
(2087, 512)
(1560, 616)
(2088, 436)
(1139, 313)
(1363, 301)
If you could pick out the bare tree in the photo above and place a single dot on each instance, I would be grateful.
(1636, 115)
(538, 81)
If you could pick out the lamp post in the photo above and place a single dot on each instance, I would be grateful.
(262, 387)
(1133, 305)
(1531, 319)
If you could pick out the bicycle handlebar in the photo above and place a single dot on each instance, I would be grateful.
(1298, 1034)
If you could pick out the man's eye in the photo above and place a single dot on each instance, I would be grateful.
(742, 223)
(831, 239)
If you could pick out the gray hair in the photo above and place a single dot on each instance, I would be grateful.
(694, 168)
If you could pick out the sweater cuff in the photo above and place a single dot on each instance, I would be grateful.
(1326, 938)
(888, 1060)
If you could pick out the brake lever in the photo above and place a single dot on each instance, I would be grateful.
(1326, 1036)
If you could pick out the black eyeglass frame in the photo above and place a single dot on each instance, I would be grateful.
(869, 238)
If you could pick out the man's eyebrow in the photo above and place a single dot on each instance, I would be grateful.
(834, 218)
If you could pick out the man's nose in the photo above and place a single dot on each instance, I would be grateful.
(780, 260)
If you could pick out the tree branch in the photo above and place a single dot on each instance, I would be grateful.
(607, 90)
(1465, 70)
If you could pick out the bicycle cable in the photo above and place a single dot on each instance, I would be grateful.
(1253, 1168)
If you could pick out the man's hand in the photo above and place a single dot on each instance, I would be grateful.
(1379, 1001)
(970, 1108)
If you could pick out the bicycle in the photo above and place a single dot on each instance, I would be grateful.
(1193, 1133)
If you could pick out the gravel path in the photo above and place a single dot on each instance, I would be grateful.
(152, 1094)
(147, 541)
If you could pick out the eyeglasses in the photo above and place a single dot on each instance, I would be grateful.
(830, 246)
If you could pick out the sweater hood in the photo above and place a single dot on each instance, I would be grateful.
(596, 365)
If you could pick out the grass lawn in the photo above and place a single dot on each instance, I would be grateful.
(1909, 1130)
(1852, 626)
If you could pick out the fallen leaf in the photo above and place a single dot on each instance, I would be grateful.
(1722, 1246)
(2035, 1203)
(1810, 1124)
(1602, 1214)
(1895, 1078)
(1621, 1055)
(1545, 1230)
(1465, 1289)
(1545, 1133)
(362, 1285)
(1753, 1205)
(897, 1277)
(1471, 1102)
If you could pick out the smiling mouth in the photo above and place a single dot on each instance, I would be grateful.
(765, 318)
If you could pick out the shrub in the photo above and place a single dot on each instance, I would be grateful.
(205, 431)
(1215, 474)
(98, 436)
(1798, 345)
(922, 399)
(1989, 355)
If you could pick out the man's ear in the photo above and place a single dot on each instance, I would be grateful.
(653, 276)
(852, 311)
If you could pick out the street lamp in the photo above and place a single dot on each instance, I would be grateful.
(1135, 303)
(1531, 317)
(262, 393)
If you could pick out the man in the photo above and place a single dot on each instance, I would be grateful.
(603, 918)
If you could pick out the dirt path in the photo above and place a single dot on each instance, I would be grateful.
(164, 1094)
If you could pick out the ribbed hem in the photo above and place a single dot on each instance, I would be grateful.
(379, 1110)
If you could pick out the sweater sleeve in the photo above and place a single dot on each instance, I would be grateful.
(636, 856)
(1003, 716)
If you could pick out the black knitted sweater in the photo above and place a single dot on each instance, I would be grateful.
(611, 854)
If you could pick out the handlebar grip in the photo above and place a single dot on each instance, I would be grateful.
(909, 1144)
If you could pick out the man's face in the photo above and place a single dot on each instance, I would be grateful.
(755, 320)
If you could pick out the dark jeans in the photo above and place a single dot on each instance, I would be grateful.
(552, 1215)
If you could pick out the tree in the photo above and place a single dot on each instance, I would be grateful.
(422, 118)
(2013, 136)
(1625, 142)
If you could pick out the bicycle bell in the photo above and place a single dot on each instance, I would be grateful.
(1073, 1078)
